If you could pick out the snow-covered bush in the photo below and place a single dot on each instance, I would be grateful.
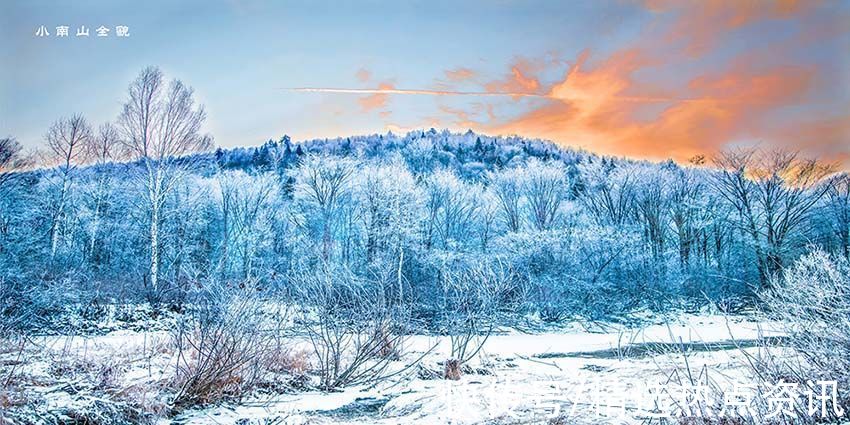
(226, 346)
(811, 301)
(354, 331)
(473, 294)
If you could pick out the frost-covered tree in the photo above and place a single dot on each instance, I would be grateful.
(451, 211)
(103, 150)
(773, 194)
(507, 187)
(545, 186)
(608, 193)
(247, 212)
(323, 195)
(838, 211)
(161, 128)
(12, 160)
(68, 146)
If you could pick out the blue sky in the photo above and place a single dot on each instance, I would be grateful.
(615, 76)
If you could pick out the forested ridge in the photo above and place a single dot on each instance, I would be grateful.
(144, 209)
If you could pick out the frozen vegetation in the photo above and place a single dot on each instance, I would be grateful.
(431, 277)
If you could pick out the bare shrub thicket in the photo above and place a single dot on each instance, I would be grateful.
(471, 299)
(812, 303)
(227, 346)
(354, 331)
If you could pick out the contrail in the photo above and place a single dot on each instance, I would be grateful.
(411, 92)
(422, 92)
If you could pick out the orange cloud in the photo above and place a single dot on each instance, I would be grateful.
(459, 74)
(363, 75)
(699, 23)
(827, 137)
(598, 108)
(376, 100)
(462, 117)
(520, 79)
(603, 106)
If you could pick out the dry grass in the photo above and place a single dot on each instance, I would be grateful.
(294, 362)
(452, 370)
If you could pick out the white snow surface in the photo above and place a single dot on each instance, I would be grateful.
(529, 376)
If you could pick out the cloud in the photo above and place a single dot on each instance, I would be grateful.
(825, 137)
(688, 84)
(458, 75)
(363, 75)
(521, 79)
(462, 117)
(598, 107)
(622, 104)
(699, 24)
(378, 99)
(389, 89)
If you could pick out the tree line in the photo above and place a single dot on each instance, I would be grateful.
(143, 209)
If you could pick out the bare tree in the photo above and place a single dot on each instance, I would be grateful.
(67, 147)
(12, 158)
(451, 209)
(545, 187)
(102, 150)
(354, 332)
(246, 219)
(508, 189)
(651, 201)
(609, 194)
(838, 208)
(161, 128)
(773, 193)
(488, 214)
(470, 298)
(323, 185)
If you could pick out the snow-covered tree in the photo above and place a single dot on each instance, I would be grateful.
(161, 129)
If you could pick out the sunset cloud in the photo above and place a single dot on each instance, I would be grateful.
(378, 99)
(388, 89)
(699, 23)
(597, 107)
(521, 79)
(459, 74)
(363, 75)
(610, 105)
(695, 80)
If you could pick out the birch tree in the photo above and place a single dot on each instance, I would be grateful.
(67, 147)
(103, 150)
(161, 128)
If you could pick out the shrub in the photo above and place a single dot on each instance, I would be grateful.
(226, 346)
(811, 301)
(354, 332)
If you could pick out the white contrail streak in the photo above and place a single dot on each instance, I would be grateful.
(423, 92)
(411, 92)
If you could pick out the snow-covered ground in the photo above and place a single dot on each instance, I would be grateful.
(591, 375)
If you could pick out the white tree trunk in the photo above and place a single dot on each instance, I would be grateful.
(154, 271)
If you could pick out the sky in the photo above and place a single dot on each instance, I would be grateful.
(651, 79)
